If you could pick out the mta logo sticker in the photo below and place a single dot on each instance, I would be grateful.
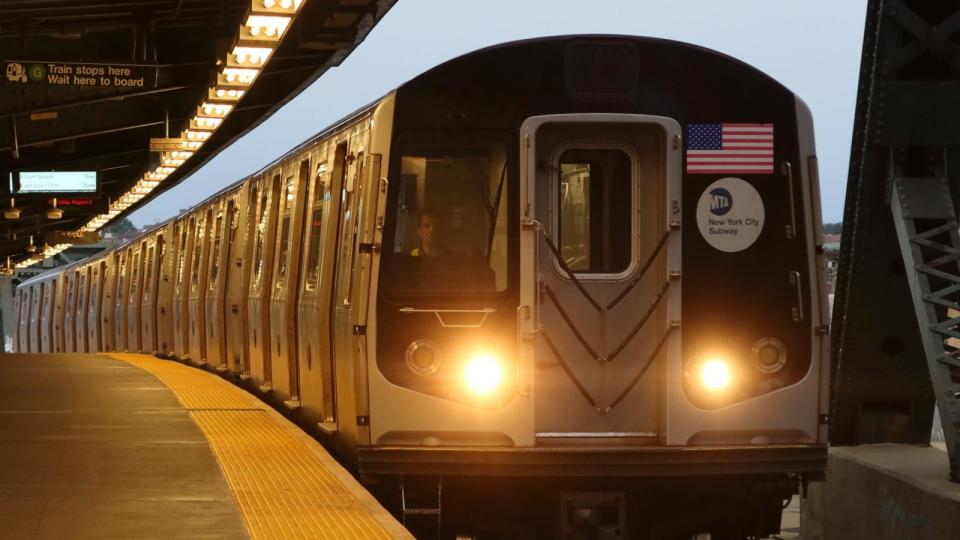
(720, 201)
(727, 226)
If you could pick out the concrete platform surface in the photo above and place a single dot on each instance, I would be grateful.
(92, 447)
(880, 492)
(130, 446)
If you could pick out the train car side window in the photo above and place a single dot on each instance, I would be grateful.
(594, 194)
(320, 193)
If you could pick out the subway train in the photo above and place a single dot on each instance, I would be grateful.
(563, 287)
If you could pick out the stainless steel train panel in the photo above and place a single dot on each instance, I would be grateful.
(181, 277)
(196, 291)
(289, 238)
(134, 295)
(46, 315)
(262, 278)
(148, 303)
(94, 335)
(122, 262)
(238, 278)
(313, 322)
(80, 314)
(107, 334)
(218, 268)
(36, 291)
(59, 301)
(166, 275)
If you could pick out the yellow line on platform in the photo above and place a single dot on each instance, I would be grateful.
(285, 483)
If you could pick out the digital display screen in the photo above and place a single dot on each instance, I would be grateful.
(25, 182)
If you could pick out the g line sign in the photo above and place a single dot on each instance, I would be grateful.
(80, 75)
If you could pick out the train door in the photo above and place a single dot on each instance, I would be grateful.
(17, 303)
(80, 317)
(166, 270)
(316, 363)
(134, 297)
(59, 299)
(180, 285)
(197, 292)
(348, 302)
(23, 321)
(284, 290)
(109, 276)
(70, 312)
(260, 364)
(236, 305)
(36, 291)
(148, 310)
(594, 271)
(218, 272)
(46, 316)
(120, 301)
(93, 308)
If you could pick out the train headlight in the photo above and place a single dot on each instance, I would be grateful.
(769, 355)
(715, 374)
(483, 373)
(423, 357)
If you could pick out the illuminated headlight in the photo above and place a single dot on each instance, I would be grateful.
(423, 357)
(715, 374)
(769, 355)
(483, 373)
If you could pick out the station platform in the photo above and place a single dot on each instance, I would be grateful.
(131, 446)
(883, 492)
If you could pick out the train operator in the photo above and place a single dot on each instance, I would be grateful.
(427, 223)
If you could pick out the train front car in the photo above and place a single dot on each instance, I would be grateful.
(599, 312)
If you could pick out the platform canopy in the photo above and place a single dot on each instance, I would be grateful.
(106, 103)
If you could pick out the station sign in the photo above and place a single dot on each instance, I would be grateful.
(166, 145)
(71, 237)
(73, 205)
(54, 183)
(80, 74)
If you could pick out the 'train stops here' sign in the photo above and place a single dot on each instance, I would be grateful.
(80, 75)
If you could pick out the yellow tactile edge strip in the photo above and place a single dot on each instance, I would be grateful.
(285, 483)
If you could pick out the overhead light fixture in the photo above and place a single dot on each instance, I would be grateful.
(53, 212)
(30, 247)
(13, 212)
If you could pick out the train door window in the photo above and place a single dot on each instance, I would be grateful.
(320, 195)
(215, 257)
(595, 191)
(289, 194)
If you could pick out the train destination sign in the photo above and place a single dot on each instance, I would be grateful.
(53, 182)
(80, 75)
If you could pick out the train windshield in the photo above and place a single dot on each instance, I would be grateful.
(450, 219)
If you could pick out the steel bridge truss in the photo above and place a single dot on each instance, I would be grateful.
(896, 322)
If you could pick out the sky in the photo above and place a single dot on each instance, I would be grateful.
(810, 46)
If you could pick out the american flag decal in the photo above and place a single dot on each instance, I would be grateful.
(730, 148)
